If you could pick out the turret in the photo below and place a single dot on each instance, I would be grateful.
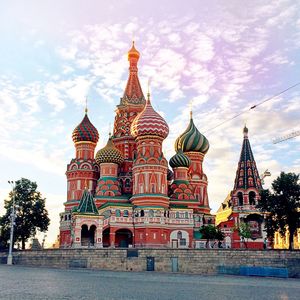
(150, 168)
(83, 169)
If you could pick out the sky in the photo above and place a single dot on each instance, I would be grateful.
(221, 56)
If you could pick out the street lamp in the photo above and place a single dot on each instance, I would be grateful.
(12, 223)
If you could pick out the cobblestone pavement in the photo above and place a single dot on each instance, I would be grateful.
(17, 282)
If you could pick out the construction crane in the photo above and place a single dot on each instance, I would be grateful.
(286, 137)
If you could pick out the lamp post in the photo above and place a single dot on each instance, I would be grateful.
(12, 223)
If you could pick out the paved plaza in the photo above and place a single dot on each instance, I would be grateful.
(17, 282)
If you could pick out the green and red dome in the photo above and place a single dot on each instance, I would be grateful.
(180, 160)
(85, 132)
(191, 140)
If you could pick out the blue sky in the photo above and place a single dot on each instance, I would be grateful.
(221, 56)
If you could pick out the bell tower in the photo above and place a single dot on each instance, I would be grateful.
(131, 104)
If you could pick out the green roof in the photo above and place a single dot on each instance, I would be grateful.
(87, 204)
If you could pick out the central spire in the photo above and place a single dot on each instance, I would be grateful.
(133, 92)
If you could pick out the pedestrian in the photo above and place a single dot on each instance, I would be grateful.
(265, 243)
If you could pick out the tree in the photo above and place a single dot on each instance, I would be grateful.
(282, 206)
(243, 230)
(30, 210)
(220, 236)
(210, 232)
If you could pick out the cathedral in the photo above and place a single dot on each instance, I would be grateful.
(125, 195)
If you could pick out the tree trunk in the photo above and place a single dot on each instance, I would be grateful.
(291, 238)
(23, 243)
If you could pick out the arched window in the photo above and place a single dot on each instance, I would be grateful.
(179, 235)
(151, 213)
(125, 214)
(177, 215)
(240, 199)
(118, 213)
(127, 182)
(186, 215)
(66, 217)
(250, 181)
(142, 213)
(252, 198)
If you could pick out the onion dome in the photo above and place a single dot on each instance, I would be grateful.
(85, 131)
(192, 140)
(180, 160)
(133, 53)
(109, 154)
(149, 122)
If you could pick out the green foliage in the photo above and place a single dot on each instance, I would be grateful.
(220, 236)
(210, 232)
(30, 210)
(282, 206)
(244, 232)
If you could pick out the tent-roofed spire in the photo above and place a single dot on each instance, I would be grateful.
(87, 204)
(247, 174)
(133, 93)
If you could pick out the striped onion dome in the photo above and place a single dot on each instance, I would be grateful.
(180, 160)
(109, 154)
(85, 131)
(192, 140)
(149, 122)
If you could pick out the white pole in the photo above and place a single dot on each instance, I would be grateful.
(12, 223)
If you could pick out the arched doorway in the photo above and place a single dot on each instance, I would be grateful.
(88, 235)
(85, 237)
(123, 238)
(106, 237)
(255, 225)
(179, 239)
